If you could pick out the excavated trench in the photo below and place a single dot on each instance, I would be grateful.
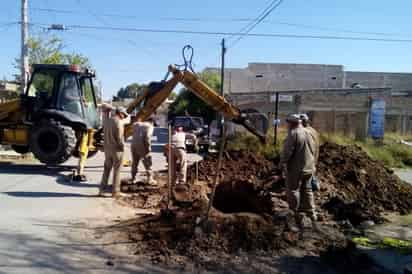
(241, 196)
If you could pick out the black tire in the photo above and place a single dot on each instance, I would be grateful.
(51, 142)
(20, 149)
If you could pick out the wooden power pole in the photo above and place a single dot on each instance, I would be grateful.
(24, 45)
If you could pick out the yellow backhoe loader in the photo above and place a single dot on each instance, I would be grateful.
(57, 116)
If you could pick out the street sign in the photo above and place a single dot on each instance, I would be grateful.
(282, 98)
(377, 118)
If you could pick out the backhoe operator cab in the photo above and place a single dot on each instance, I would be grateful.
(60, 107)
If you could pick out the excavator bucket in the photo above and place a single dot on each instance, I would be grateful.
(255, 122)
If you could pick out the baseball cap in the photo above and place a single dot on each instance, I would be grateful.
(122, 110)
(293, 118)
(304, 117)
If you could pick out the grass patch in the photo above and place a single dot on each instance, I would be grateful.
(402, 246)
(390, 152)
(248, 142)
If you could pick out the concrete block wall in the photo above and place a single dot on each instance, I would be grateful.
(336, 110)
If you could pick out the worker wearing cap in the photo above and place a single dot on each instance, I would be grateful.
(179, 162)
(312, 132)
(298, 166)
(113, 150)
(142, 147)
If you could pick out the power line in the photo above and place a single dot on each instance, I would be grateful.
(213, 19)
(272, 6)
(221, 33)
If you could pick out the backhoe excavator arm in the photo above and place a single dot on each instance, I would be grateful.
(156, 93)
(214, 100)
(153, 95)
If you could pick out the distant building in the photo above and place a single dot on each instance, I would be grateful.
(260, 77)
(8, 90)
(337, 100)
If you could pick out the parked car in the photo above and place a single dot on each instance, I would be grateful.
(197, 133)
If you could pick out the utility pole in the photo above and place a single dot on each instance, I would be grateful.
(222, 81)
(222, 70)
(24, 45)
(275, 129)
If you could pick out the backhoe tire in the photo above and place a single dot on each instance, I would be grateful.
(20, 149)
(51, 142)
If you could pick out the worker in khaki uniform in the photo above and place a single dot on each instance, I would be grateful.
(298, 166)
(142, 147)
(313, 134)
(179, 162)
(113, 150)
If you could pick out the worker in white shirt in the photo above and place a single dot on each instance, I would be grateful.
(179, 162)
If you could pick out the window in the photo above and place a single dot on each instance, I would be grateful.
(87, 89)
(90, 109)
(69, 94)
(42, 84)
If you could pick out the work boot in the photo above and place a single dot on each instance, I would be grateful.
(150, 179)
(102, 189)
(117, 195)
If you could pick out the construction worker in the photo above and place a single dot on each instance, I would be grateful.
(312, 132)
(113, 150)
(179, 163)
(142, 147)
(298, 166)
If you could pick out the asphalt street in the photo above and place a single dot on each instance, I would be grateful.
(48, 224)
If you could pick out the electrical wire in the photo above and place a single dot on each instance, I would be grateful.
(222, 33)
(211, 19)
(7, 26)
(274, 5)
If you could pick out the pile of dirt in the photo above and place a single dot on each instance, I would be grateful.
(237, 166)
(250, 210)
(357, 188)
(176, 241)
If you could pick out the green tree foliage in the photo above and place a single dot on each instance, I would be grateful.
(50, 50)
(187, 103)
(130, 91)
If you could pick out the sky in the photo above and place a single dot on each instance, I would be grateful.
(121, 58)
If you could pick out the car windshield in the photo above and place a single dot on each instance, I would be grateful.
(189, 123)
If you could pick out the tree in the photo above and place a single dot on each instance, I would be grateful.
(188, 103)
(50, 50)
(172, 96)
(130, 91)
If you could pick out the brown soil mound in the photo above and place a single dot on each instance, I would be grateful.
(177, 241)
(237, 165)
(357, 188)
(353, 188)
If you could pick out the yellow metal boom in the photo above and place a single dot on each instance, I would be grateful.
(153, 98)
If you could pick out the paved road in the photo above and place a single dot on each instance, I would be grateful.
(48, 224)
(405, 174)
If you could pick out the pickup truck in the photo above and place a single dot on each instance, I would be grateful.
(197, 133)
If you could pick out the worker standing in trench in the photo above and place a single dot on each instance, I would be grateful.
(179, 161)
(298, 166)
(113, 150)
(141, 148)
